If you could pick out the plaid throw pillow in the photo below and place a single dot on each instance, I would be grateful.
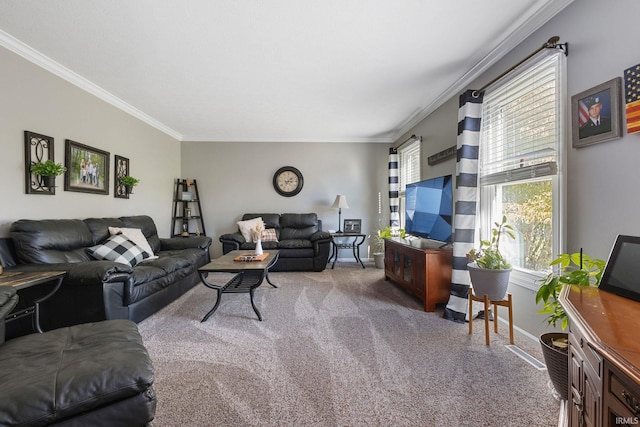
(269, 235)
(119, 249)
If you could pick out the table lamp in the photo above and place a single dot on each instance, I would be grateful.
(340, 202)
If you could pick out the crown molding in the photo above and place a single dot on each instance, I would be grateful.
(43, 61)
(303, 140)
(511, 38)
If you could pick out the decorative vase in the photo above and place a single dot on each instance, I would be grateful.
(378, 258)
(557, 361)
(49, 181)
(485, 281)
(259, 247)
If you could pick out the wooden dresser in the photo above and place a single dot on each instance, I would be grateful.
(423, 273)
(604, 357)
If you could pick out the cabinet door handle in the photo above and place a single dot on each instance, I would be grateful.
(633, 403)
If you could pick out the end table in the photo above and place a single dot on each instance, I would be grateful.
(22, 280)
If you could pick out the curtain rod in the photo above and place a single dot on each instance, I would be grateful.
(552, 43)
(411, 138)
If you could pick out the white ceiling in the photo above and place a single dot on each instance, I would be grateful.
(272, 70)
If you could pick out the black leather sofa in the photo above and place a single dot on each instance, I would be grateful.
(95, 290)
(95, 374)
(302, 244)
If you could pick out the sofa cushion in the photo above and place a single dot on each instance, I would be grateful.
(298, 226)
(148, 227)
(269, 235)
(118, 248)
(271, 220)
(51, 241)
(48, 377)
(246, 227)
(100, 228)
(136, 236)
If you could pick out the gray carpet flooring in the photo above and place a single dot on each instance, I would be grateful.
(338, 348)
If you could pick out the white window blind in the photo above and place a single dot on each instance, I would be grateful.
(520, 125)
(409, 164)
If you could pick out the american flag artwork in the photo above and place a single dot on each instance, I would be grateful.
(583, 112)
(632, 98)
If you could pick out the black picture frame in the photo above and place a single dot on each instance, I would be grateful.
(608, 96)
(352, 226)
(121, 169)
(80, 161)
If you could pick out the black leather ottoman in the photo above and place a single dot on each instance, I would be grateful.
(96, 374)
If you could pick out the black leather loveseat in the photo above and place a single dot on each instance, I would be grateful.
(95, 290)
(94, 374)
(299, 237)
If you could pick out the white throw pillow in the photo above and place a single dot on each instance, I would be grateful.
(245, 227)
(136, 236)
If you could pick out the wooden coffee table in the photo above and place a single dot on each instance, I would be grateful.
(248, 276)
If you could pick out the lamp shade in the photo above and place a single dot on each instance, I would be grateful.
(340, 202)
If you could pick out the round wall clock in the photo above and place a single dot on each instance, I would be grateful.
(287, 181)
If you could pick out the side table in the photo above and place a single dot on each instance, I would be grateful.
(356, 239)
(23, 281)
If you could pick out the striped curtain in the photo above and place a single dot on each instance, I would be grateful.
(394, 201)
(469, 118)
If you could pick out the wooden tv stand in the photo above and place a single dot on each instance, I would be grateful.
(424, 273)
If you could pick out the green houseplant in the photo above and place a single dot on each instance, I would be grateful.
(377, 246)
(48, 170)
(571, 269)
(129, 182)
(488, 268)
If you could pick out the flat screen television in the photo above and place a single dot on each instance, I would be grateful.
(429, 208)
(621, 275)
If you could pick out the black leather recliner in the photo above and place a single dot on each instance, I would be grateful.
(94, 374)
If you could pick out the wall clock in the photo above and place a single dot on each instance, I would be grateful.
(287, 181)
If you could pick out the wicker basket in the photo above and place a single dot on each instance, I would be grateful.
(557, 363)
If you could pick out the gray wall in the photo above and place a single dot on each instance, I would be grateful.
(36, 100)
(236, 178)
(601, 196)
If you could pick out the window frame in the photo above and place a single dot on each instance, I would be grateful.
(486, 200)
(410, 148)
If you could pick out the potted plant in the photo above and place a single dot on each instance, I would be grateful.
(572, 269)
(378, 242)
(489, 270)
(129, 182)
(48, 170)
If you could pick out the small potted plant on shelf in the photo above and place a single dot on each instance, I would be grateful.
(571, 269)
(378, 237)
(129, 182)
(48, 170)
(488, 269)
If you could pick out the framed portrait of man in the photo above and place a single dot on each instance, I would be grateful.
(595, 114)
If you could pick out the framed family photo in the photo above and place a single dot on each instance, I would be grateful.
(352, 225)
(596, 114)
(87, 169)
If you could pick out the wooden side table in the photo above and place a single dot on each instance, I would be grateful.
(354, 245)
(22, 280)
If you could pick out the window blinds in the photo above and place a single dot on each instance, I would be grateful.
(409, 164)
(520, 124)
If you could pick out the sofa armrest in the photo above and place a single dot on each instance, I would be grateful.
(81, 273)
(320, 235)
(233, 237)
(175, 243)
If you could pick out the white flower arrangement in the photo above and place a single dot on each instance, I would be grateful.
(256, 232)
